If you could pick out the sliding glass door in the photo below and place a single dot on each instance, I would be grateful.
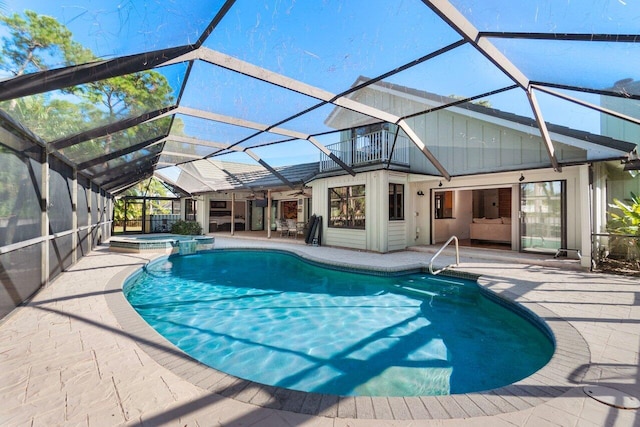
(542, 216)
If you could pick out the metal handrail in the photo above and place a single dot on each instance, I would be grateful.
(440, 251)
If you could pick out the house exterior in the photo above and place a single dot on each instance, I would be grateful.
(233, 196)
(503, 188)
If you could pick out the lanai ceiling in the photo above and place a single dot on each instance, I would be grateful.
(253, 82)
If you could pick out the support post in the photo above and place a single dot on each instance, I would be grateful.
(268, 214)
(233, 213)
(586, 225)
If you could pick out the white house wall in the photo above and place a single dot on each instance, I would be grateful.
(577, 197)
(620, 184)
(465, 145)
(380, 234)
(398, 237)
(463, 141)
(341, 237)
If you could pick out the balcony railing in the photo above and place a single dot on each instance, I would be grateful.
(367, 149)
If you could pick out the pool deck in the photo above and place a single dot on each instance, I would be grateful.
(76, 354)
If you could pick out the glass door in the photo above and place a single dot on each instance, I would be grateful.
(257, 217)
(542, 216)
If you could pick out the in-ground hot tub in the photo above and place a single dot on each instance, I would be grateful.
(161, 243)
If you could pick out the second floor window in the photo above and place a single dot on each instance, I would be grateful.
(347, 207)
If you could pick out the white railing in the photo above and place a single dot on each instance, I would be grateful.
(455, 239)
(373, 147)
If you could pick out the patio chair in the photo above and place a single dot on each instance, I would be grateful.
(291, 225)
(282, 227)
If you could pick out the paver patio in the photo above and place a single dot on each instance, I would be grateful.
(74, 355)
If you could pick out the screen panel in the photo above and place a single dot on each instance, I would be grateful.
(20, 276)
(20, 192)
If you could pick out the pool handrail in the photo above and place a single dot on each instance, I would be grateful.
(454, 238)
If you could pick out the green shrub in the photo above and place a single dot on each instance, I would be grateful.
(186, 228)
(625, 222)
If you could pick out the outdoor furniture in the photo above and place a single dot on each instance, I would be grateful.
(282, 227)
(291, 226)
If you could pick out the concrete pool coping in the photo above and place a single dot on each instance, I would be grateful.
(561, 375)
(159, 243)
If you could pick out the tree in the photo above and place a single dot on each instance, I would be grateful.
(149, 188)
(35, 43)
(628, 220)
(38, 43)
(625, 223)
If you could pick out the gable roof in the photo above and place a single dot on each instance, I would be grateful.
(434, 102)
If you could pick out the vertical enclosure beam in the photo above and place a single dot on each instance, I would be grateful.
(44, 220)
(74, 216)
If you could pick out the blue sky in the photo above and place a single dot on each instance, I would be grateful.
(330, 43)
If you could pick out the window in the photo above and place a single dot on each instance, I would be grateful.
(444, 204)
(396, 202)
(346, 207)
(190, 210)
(175, 207)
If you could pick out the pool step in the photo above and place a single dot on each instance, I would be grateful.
(445, 294)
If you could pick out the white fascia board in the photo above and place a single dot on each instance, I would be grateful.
(366, 110)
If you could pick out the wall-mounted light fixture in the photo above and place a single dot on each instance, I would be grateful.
(440, 185)
(521, 177)
(420, 193)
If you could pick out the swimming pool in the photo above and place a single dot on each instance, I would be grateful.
(276, 319)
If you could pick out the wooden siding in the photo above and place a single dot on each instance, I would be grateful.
(346, 238)
(397, 235)
(464, 142)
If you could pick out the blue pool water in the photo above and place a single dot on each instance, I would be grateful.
(276, 319)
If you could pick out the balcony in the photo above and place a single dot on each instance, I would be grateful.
(369, 149)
